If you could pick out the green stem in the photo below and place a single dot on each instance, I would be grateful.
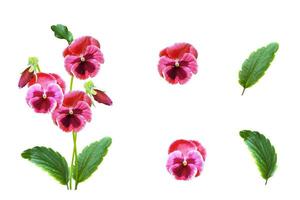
(38, 68)
(71, 83)
(74, 159)
(71, 170)
(74, 154)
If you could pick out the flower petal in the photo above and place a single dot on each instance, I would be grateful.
(83, 109)
(41, 105)
(176, 157)
(69, 123)
(86, 69)
(55, 91)
(194, 157)
(59, 111)
(79, 45)
(93, 67)
(183, 74)
(200, 148)
(43, 79)
(35, 90)
(93, 52)
(72, 98)
(164, 62)
(26, 76)
(190, 61)
(177, 50)
(182, 172)
(59, 81)
(183, 146)
(101, 97)
(177, 74)
(70, 62)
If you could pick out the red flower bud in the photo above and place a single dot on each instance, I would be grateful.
(101, 97)
(26, 76)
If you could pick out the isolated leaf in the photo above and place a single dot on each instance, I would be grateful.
(90, 158)
(49, 160)
(62, 32)
(255, 66)
(263, 152)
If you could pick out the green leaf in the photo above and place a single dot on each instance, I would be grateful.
(62, 32)
(262, 151)
(255, 66)
(90, 158)
(50, 161)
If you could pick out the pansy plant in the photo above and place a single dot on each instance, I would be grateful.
(70, 110)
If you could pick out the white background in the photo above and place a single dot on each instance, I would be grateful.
(148, 113)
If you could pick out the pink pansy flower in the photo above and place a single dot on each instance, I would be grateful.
(74, 112)
(186, 159)
(44, 94)
(178, 62)
(83, 57)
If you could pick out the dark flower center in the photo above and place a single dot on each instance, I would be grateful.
(177, 71)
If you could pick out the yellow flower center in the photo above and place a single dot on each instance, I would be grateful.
(44, 96)
(177, 63)
(184, 163)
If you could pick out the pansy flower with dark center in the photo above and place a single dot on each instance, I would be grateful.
(178, 62)
(186, 159)
(44, 93)
(83, 57)
(74, 112)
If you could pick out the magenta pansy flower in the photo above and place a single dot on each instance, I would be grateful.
(186, 159)
(83, 57)
(44, 94)
(177, 63)
(74, 112)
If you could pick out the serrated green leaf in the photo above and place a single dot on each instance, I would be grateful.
(90, 158)
(62, 32)
(255, 66)
(50, 161)
(262, 151)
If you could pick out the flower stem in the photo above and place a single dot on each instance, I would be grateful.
(74, 160)
(38, 68)
(71, 83)
(74, 154)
